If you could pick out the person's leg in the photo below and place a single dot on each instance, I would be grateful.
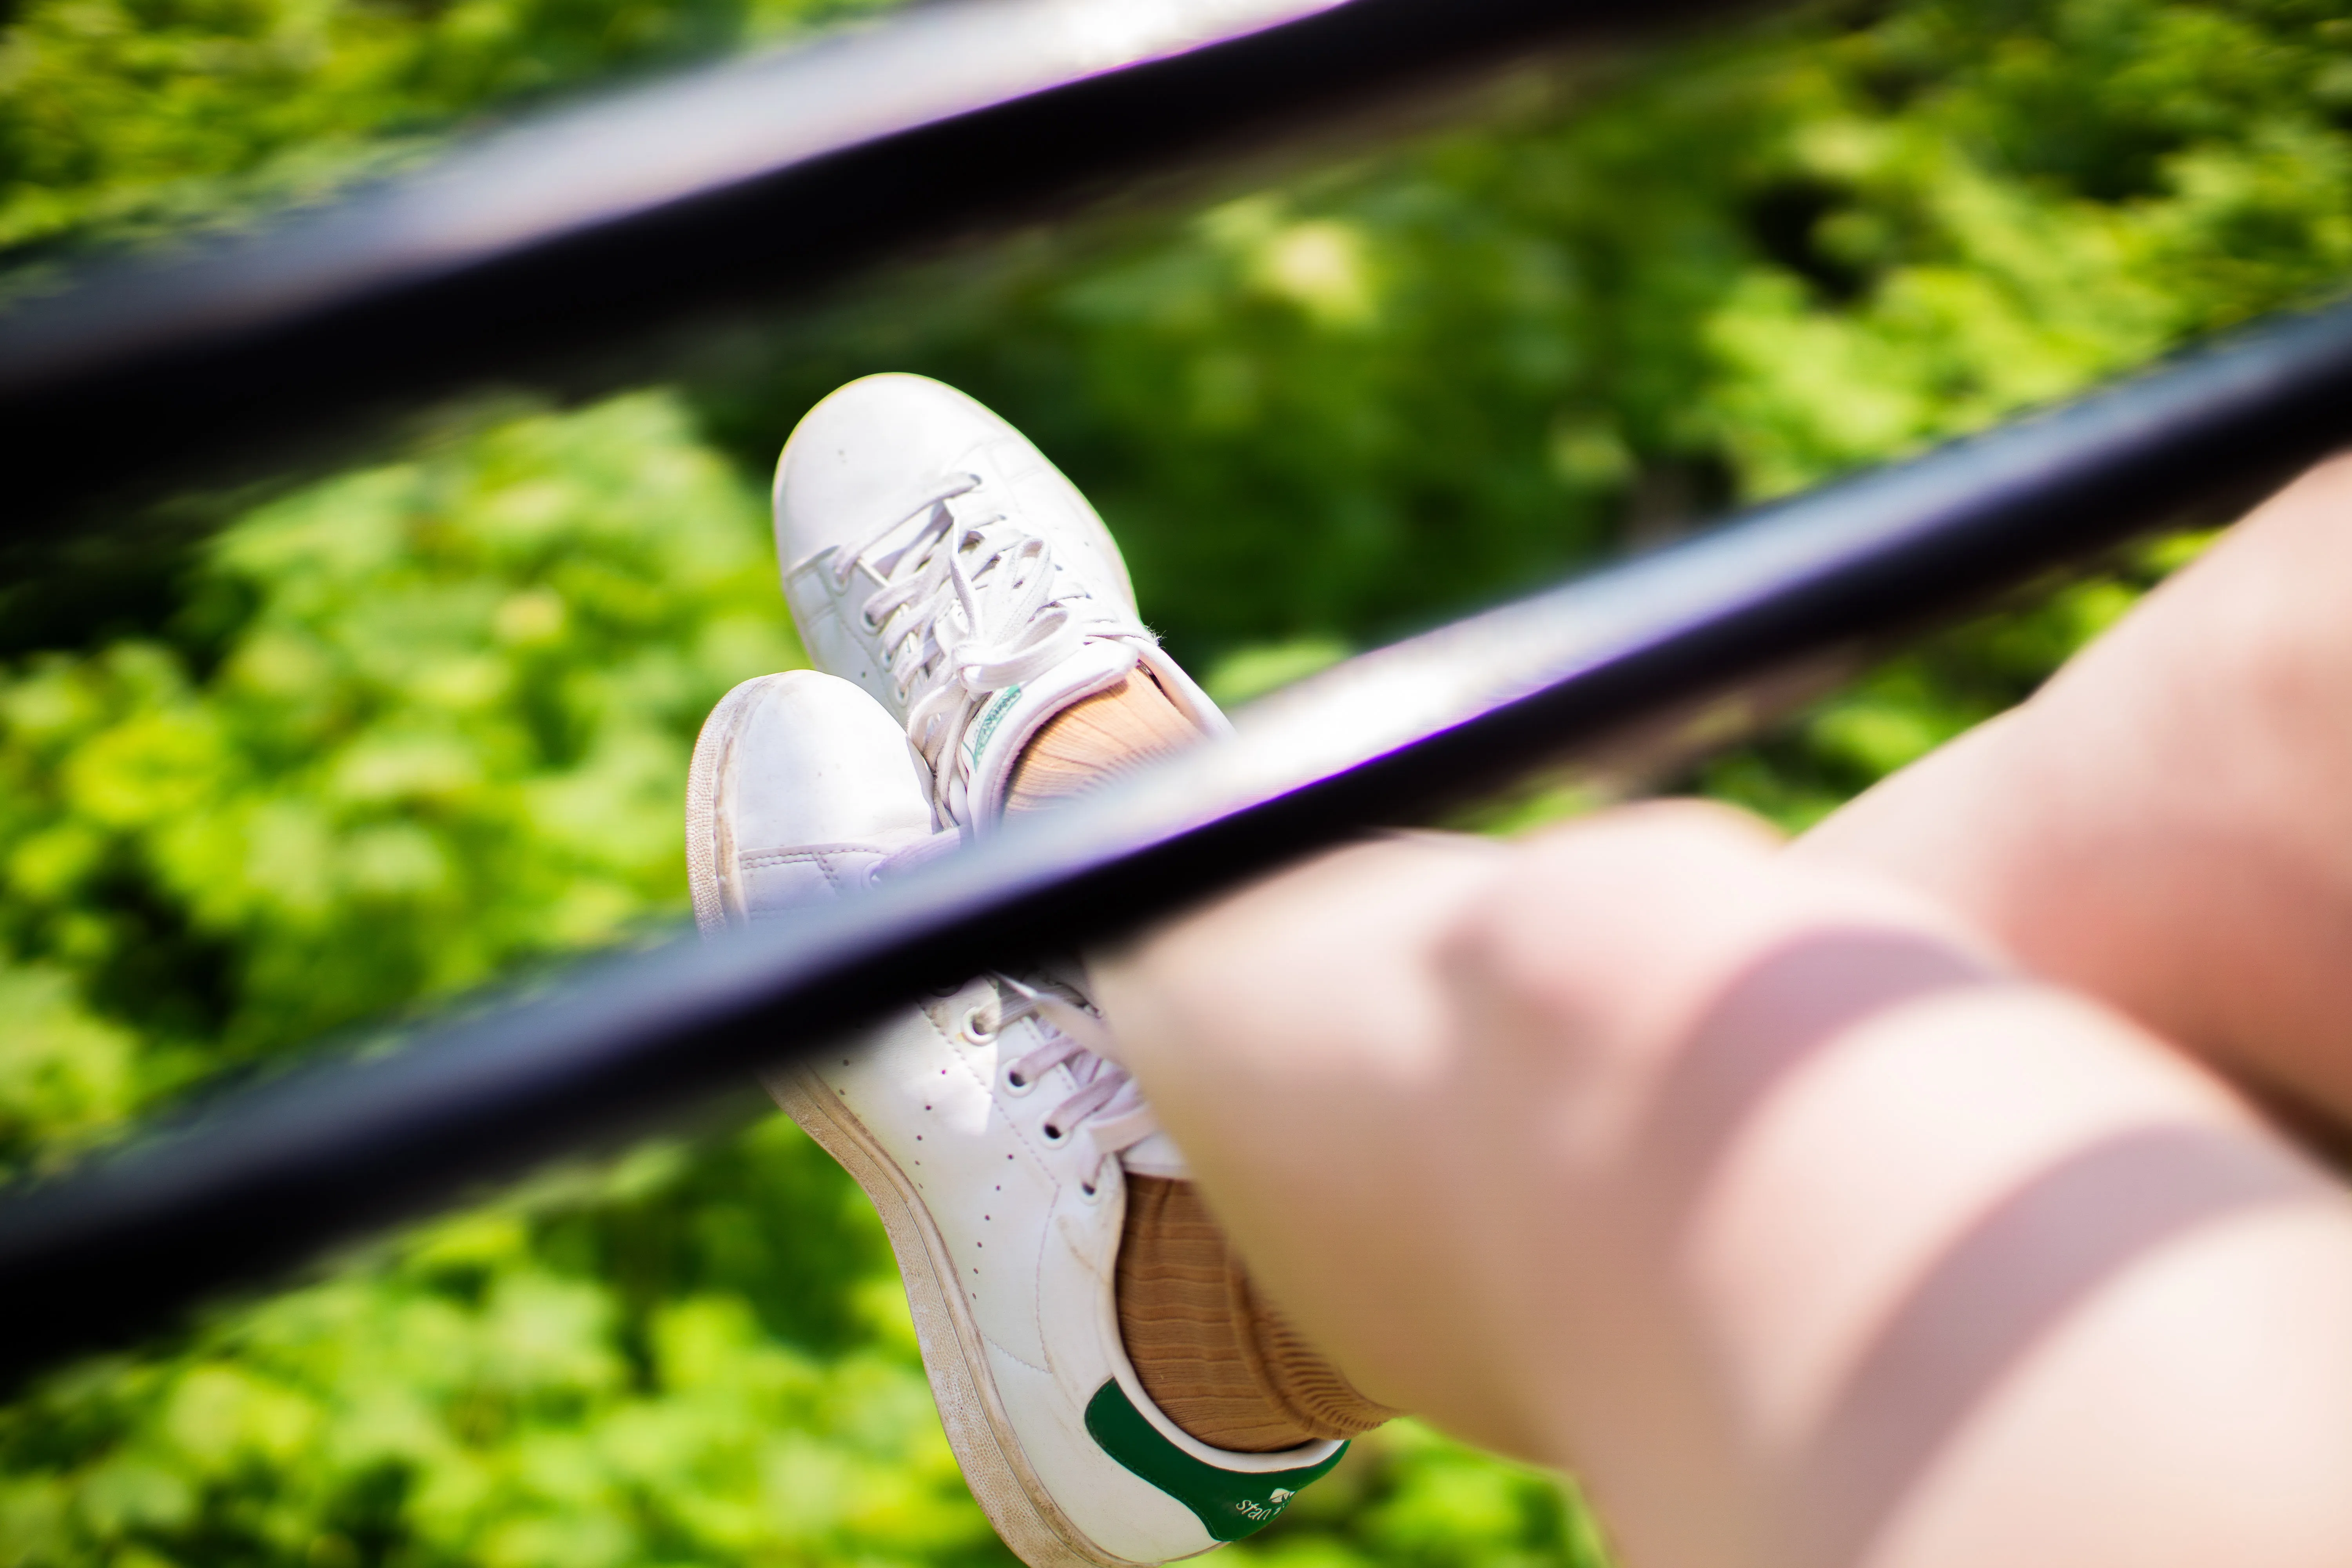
(1766, 1196)
(2169, 823)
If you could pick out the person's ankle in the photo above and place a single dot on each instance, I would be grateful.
(1210, 1349)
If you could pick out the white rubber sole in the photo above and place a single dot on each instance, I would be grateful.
(955, 1357)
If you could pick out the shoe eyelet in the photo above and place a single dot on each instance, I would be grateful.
(974, 1034)
(1053, 1135)
(1091, 1192)
(1015, 1086)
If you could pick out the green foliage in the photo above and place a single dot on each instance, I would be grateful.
(437, 738)
(471, 1399)
(418, 727)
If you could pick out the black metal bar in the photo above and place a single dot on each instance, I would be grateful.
(542, 247)
(272, 1178)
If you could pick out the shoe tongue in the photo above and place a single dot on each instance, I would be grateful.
(1005, 720)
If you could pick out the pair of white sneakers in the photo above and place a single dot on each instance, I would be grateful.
(958, 592)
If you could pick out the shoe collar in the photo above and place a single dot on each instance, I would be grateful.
(972, 793)
(976, 776)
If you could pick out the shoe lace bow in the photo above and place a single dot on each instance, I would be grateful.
(970, 604)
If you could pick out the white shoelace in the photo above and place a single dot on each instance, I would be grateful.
(1108, 1109)
(967, 606)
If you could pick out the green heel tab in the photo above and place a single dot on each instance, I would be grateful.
(1230, 1503)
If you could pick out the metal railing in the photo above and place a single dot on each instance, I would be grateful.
(263, 1180)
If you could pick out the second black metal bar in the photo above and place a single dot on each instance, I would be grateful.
(271, 1179)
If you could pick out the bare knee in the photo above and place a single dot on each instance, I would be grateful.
(1618, 963)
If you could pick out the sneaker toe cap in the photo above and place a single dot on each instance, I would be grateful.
(861, 452)
(815, 761)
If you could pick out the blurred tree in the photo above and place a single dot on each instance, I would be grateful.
(416, 726)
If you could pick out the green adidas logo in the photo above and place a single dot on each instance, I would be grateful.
(984, 726)
(1229, 1504)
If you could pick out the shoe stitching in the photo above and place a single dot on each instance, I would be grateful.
(1057, 1233)
(986, 1081)
(1072, 1236)
(823, 859)
(818, 852)
(993, 1343)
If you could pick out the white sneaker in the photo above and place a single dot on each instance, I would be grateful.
(993, 1142)
(934, 556)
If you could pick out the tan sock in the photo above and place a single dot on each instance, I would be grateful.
(1096, 738)
(1210, 1349)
